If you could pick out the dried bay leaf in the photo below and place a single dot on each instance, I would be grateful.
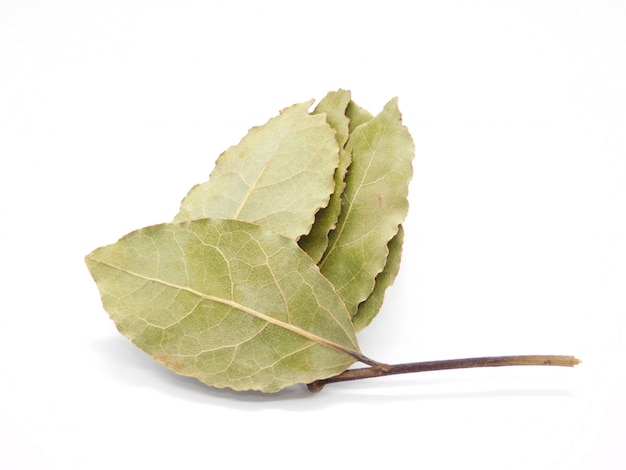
(369, 308)
(333, 105)
(357, 115)
(278, 176)
(241, 291)
(227, 302)
(374, 204)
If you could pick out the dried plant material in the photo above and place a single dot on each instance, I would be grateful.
(278, 176)
(369, 308)
(374, 205)
(334, 105)
(227, 302)
(272, 265)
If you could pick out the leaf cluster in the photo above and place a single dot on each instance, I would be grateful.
(273, 265)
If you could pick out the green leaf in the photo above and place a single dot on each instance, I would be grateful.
(334, 105)
(369, 308)
(227, 302)
(374, 205)
(278, 176)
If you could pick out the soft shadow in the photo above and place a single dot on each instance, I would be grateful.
(130, 366)
(374, 398)
(446, 385)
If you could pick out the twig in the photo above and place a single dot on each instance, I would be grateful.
(497, 361)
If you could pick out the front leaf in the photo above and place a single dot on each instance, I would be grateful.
(278, 176)
(374, 205)
(227, 302)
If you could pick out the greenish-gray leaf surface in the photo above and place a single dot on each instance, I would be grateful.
(374, 204)
(357, 115)
(369, 308)
(334, 105)
(278, 176)
(227, 302)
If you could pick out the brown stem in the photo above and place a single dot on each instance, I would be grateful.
(497, 361)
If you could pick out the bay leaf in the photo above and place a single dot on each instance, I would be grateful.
(278, 176)
(227, 302)
(374, 204)
(357, 115)
(369, 308)
(333, 105)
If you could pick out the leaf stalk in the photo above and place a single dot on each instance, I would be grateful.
(381, 370)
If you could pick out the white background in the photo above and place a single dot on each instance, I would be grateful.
(110, 111)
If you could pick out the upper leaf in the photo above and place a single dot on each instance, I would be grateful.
(334, 106)
(278, 176)
(227, 302)
(374, 205)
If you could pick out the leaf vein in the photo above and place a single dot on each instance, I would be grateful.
(231, 303)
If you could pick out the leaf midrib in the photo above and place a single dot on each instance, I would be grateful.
(231, 303)
(268, 161)
(252, 187)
